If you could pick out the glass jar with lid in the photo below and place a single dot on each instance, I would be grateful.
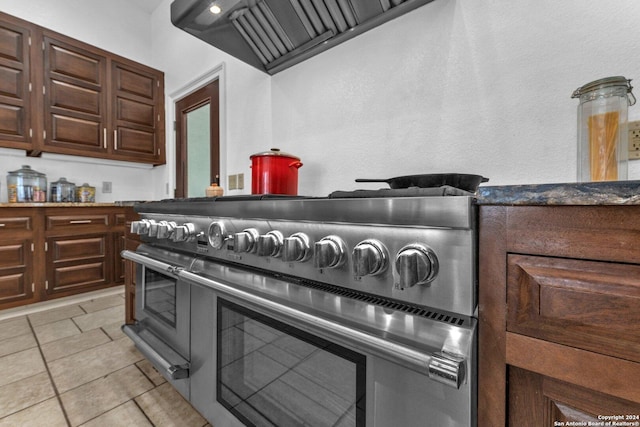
(62, 191)
(603, 138)
(26, 185)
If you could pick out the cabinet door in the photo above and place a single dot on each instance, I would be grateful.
(16, 267)
(15, 75)
(537, 400)
(137, 104)
(77, 263)
(75, 100)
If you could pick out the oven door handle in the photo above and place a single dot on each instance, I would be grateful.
(170, 370)
(439, 366)
(150, 262)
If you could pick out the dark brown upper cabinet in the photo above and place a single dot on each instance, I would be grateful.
(91, 103)
(16, 96)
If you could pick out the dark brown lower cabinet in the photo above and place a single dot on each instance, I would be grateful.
(17, 257)
(52, 252)
(559, 335)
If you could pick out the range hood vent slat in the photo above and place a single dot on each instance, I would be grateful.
(325, 17)
(273, 35)
(254, 38)
(262, 35)
(337, 16)
(310, 10)
(304, 18)
(347, 12)
(275, 26)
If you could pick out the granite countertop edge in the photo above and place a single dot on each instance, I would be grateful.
(589, 193)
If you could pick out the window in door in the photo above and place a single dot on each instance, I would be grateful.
(197, 141)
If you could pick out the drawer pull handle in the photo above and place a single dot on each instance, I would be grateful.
(2, 225)
(80, 221)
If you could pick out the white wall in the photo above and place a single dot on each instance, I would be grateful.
(457, 85)
(114, 26)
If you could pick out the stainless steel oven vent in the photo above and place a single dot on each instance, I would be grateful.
(273, 35)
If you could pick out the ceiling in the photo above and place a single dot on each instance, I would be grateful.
(147, 5)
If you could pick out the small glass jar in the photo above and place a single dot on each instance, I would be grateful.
(603, 140)
(62, 191)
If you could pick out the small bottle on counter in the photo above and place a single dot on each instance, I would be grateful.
(214, 190)
(85, 193)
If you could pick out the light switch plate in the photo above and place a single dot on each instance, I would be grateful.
(634, 140)
(240, 181)
(106, 186)
(233, 182)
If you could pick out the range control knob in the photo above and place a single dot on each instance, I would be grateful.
(417, 265)
(245, 241)
(184, 232)
(370, 258)
(153, 228)
(136, 227)
(329, 252)
(270, 244)
(140, 227)
(296, 248)
(217, 234)
(166, 229)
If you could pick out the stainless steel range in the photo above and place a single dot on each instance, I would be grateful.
(358, 309)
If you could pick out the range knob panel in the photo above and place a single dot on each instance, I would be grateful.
(329, 252)
(270, 244)
(370, 258)
(416, 264)
(296, 248)
(245, 241)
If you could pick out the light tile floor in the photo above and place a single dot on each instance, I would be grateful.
(72, 366)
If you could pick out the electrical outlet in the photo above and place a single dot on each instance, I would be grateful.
(240, 181)
(233, 182)
(106, 186)
(634, 140)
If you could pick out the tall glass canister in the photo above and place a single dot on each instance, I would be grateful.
(603, 138)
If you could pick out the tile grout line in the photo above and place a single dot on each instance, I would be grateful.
(46, 366)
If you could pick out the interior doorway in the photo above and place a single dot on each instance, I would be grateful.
(197, 140)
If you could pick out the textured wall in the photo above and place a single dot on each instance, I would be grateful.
(458, 85)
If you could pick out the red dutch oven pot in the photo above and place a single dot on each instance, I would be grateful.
(274, 172)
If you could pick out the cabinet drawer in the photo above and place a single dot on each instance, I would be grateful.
(70, 222)
(75, 263)
(13, 224)
(585, 304)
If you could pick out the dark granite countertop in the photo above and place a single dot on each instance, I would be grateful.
(584, 193)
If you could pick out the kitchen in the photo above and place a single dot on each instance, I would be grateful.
(487, 85)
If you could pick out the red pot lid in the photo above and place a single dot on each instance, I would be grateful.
(274, 152)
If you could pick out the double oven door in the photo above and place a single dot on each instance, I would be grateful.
(163, 321)
(264, 354)
(250, 349)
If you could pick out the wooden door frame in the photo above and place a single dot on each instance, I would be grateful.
(208, 94)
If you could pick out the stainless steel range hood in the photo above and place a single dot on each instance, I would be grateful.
(273, 35)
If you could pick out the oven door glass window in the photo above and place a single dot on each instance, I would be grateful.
(160, 296)
(271, 374)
